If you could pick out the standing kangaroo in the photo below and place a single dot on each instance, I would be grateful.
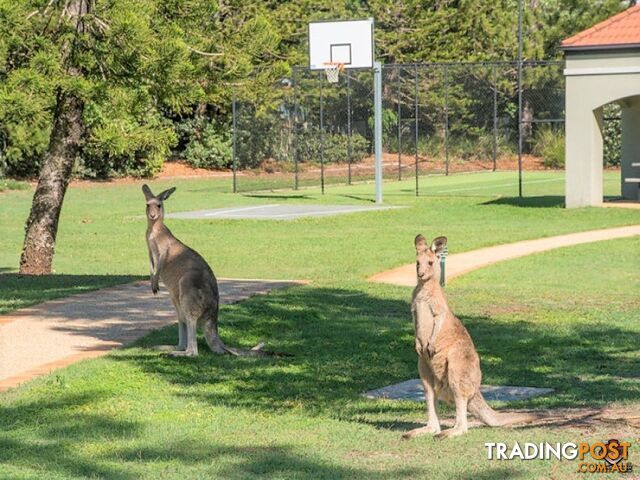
(192, 286)
(448, 363)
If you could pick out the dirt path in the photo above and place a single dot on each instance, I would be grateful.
(36, 340)
(461, 263)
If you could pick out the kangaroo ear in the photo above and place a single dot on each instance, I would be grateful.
(438, 244)
(148, 194)
(166, 194)
(420, 243)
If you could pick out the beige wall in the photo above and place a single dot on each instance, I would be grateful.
(593, 80)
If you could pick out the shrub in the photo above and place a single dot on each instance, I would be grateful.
(207, 145)
(335, 146)
(549, 145)
(612, 135)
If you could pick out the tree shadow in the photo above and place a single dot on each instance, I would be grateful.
(55, 436)
(17, 291)
(279, 197)
(58, 436)
(546, 201)
(346, 342)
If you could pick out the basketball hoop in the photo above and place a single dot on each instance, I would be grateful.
(332, 70)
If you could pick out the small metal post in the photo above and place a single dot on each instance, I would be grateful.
(399, 142)
(234, 165)
(296, 131)
(520, 98)
(321, 133)
(443, 258)
(446, 120)
(377, 94)
(349, 146)
(495, 117)
(415, 114)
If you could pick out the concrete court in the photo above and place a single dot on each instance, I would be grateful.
(277, 212)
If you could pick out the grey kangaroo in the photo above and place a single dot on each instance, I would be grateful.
(192, 286)
(448, 363)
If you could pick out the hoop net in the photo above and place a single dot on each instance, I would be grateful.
(332, 70)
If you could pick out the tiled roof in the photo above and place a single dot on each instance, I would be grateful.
(621, 30)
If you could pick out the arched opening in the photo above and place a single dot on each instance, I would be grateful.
(621, 149)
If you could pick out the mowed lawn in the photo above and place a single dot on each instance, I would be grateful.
(567, 319)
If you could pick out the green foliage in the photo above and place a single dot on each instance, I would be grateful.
(207, 145)
(145, 63)
(549, 144)
(336, 146)
(612, 135)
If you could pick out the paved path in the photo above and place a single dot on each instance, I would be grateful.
(36, 340)
(462, 263)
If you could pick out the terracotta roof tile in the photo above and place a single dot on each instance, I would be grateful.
(621, 29)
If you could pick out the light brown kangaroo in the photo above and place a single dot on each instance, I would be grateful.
(192, 286)
(448, 363)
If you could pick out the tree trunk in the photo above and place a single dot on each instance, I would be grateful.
(55, 173)
(42, 224)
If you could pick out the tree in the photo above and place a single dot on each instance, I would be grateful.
(116, 74)
(64, 144)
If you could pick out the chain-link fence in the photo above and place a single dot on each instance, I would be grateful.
(437, 119)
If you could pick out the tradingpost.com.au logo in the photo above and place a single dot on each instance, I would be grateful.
(596, 457)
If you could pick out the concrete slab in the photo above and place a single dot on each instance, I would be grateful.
(412, 390)
(277, 212)
(36, 340)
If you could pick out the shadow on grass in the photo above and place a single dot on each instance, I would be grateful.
(346, 342)
(547, 201)
(279, 197)
(17, 291)
(59, 437)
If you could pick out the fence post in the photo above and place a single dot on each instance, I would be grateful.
(520, 98)
(349, 147)
(321, 132)
(296, 151)
(495, 117)
(446, 119)
(415, 114)
(234, 138)
(399, 142)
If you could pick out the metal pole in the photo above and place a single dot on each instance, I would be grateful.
(296, 132)
(349, 147)
(520, 98)
(322, 133)
(399, 142)
(233, 148)
(415, 114)
(446, 120)
(377, 100)
(495, 117)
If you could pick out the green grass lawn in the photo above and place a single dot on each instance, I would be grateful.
(567, 319)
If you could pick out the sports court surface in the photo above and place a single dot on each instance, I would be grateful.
(277, 212)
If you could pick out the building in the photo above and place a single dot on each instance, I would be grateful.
(602, 67)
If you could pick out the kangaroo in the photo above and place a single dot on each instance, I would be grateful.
(448, 362)
(192, 286)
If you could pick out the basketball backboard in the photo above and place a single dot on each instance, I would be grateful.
(349, 42)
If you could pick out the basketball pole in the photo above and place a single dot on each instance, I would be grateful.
(377, 130)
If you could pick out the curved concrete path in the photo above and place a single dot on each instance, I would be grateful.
(36, 340)
(461, 263)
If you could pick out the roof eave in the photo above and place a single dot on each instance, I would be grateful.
(614, 46)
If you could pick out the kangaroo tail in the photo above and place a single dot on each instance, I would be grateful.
(216, 344)
(479, 407)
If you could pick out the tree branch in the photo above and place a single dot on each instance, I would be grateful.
(205, 54)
